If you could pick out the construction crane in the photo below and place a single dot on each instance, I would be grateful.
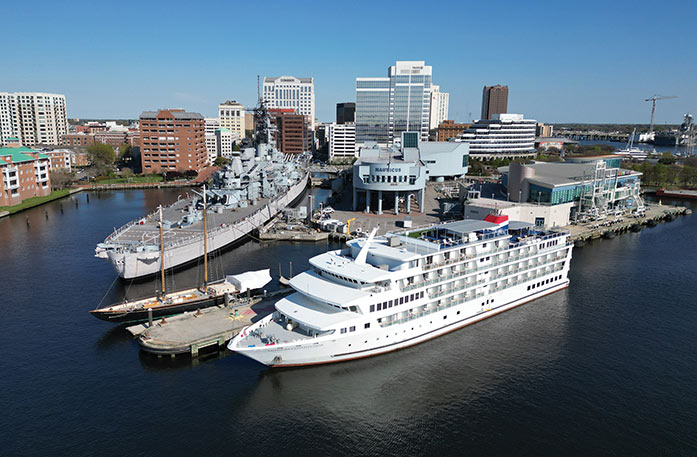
(653, 106)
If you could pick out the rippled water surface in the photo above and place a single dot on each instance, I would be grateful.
(606, 367)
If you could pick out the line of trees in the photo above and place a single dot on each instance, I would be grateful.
(668, 172)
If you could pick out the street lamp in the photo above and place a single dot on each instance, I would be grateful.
(539, 194)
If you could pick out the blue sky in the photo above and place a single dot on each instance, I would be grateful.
(581, 61)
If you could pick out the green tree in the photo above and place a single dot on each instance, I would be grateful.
(221, 161)
(667, 158)
(126, 173)
(102, 157)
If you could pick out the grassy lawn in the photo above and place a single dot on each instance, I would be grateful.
(131, 180)
(35, 201)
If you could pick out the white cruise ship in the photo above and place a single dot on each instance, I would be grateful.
(382, 294)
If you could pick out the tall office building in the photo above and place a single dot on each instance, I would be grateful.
(32, 117)
(439, 107)
(293, 135)
(232, 117)
(289, 92)
(494, 101)
(386, 107)
(172, 140)
(345, 112)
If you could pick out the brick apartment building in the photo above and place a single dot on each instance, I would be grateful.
(449, 129)
(172, 140)
(293, 135)
(77, 139)
(25, 174)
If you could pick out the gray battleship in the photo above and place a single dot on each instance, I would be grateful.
(258, 184)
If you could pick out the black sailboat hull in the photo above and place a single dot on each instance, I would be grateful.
(141, 314)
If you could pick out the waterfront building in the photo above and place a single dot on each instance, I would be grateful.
(399, 173)
(494, 101)
(506, 135)
(448, 130)
(59, 159)
(439, 107)
(293, 134)
(211, 124)
(33, 117)
(172, 140)
(345, 112)
(231, 115)
(25, 174)
(342, 141)
(289, 92)
(591, 185)
(400, 102)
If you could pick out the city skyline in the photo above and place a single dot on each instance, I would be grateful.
(561, 64)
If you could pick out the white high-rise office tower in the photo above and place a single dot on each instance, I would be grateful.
(439, 107)
(401, 102)
(289, 92)
(33, 117)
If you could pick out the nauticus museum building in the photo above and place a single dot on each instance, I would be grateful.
(395, 177)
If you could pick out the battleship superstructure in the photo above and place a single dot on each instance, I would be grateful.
(382, 294)
(257, 184)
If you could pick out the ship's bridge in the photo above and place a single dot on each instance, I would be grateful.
(323, 290)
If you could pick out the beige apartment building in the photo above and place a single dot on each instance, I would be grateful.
(32, 117)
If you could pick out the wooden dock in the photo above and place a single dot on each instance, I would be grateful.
(190, 332)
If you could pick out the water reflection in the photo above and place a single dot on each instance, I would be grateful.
(456, 369)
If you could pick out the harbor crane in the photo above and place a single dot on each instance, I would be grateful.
(653, 106)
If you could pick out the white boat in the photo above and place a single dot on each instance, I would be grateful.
(382, 294)
(632, 152)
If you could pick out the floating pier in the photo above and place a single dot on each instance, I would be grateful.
(190, 332)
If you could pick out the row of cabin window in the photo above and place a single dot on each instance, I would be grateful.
(549, 244)
(396, 301)
(350, 329)
(546, 281)
(322, 272)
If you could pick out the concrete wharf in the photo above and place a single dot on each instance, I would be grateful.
(580, 233)
(209, 327)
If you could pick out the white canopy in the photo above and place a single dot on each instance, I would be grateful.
(250, 279)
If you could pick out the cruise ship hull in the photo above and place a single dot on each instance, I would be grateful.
(131, 265)
(334, 349)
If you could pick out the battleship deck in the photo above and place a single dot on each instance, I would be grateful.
(148, 232)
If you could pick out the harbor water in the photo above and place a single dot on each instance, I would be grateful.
(605, 367)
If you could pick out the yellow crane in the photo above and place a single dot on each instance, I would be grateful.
(348, 225)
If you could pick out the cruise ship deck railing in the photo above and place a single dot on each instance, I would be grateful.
(459, 301)
(464, 274)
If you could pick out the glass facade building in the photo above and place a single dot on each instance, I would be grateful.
(386, 107)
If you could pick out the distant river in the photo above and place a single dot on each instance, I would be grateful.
(606, 367)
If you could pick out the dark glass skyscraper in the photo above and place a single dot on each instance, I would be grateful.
(345, 112)
(494, 101)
